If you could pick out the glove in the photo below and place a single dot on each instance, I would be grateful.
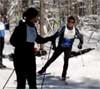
(80, 46)
(53, 37)
(53, 42)
(54, 47)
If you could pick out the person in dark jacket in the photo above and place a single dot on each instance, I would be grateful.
(66, 35)
(23, 39)
(2, 36)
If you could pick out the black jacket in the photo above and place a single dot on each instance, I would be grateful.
(18, 38)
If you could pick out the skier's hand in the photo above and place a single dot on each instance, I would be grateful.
(53, 43)
(54, 47)
(80, 46)
(54, 36)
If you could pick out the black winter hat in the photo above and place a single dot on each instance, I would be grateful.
(30, 13)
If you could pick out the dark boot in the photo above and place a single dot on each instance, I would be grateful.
(41, 71)
(2, 66)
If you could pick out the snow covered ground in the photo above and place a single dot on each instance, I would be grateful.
(81, 76)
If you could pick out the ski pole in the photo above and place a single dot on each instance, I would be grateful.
(8, 79)
(43, 80)
(82, 59)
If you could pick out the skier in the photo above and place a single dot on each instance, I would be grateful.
(23, 39)
(66, 35)
(2, 35)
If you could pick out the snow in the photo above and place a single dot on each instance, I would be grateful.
(81, 77)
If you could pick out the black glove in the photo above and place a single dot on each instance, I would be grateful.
(53, 42)
(53, 37)
(54, 47)
(80, 46)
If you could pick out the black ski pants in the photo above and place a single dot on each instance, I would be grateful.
(1, 48)
(57, 52)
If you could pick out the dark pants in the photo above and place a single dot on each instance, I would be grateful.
(1, 48)
(23, 76)
(58, 51)
(25, 68)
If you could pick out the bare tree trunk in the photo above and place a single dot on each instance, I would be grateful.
(41, 20)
